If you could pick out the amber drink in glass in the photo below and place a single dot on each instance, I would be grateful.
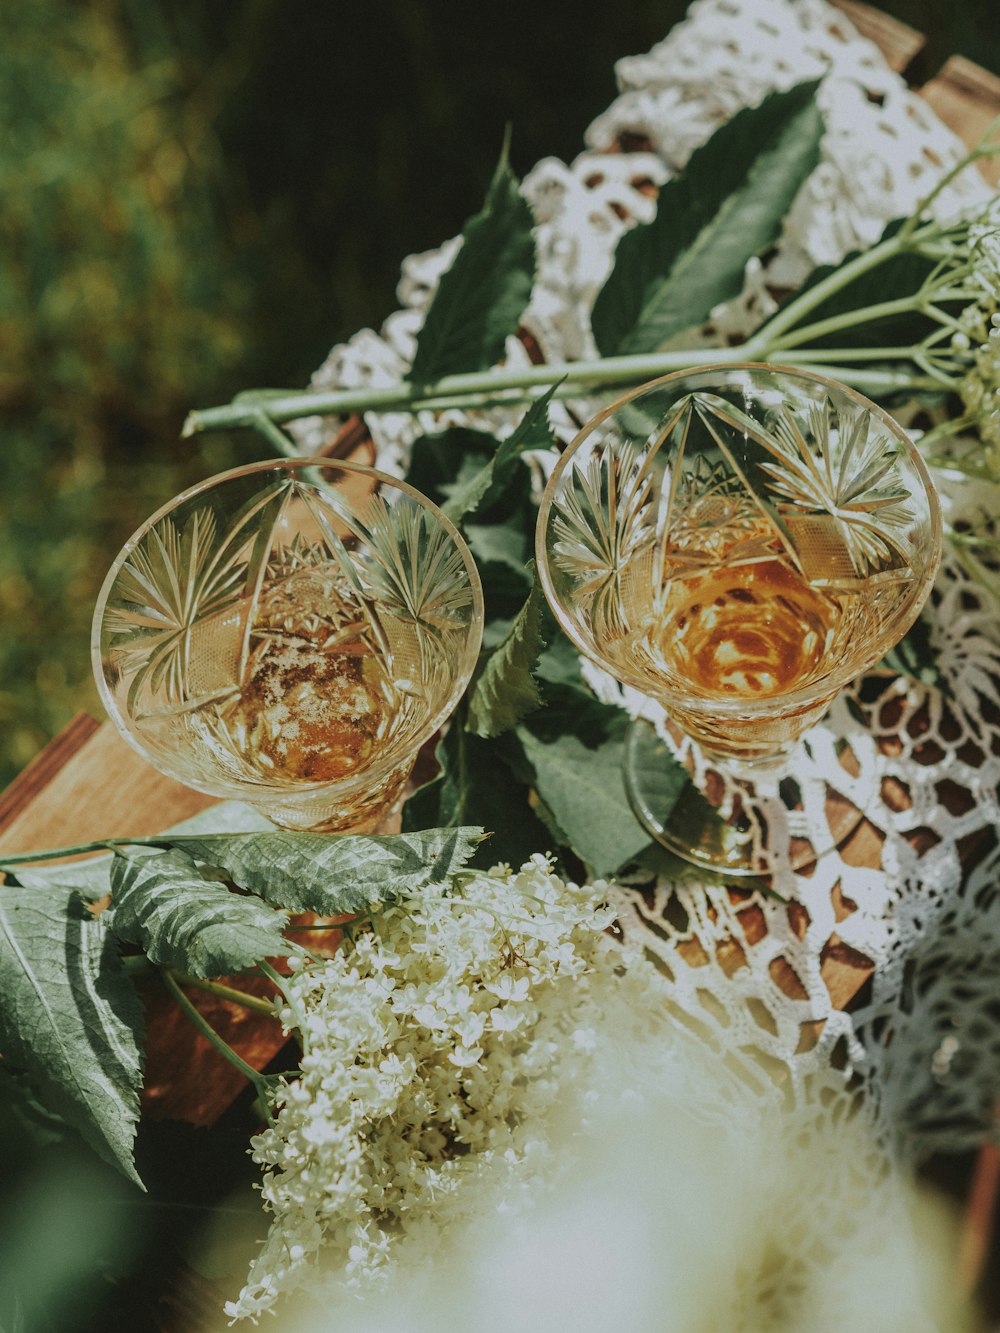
(737, 543)
(289, 634)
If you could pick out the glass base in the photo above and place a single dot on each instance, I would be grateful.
(372, 810)
(758, 823)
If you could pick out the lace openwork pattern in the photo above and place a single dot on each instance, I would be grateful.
(752, 974)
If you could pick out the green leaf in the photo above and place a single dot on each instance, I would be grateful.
(726, 206)
(532, 432)
(337, 874)
(500, 539)
(914, 656)
(506, 690)
(481, 297)
(40, 1124)
(69, 1017)
(669, 794)
(559, 661)
(162, 902)
(89, 880)
(476, 785)
(575, 750)
(449, 459)
(500, 543)
(504, 591)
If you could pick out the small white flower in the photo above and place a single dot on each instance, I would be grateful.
(464, 1056)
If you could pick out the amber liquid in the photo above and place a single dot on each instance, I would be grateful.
(744, 634)
(316, 700)
(307, 716)
(751, 631)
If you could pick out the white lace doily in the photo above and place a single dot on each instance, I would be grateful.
(746, 971)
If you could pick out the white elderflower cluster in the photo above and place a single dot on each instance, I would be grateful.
(978, 337)
(429, 1057)
(980, 388)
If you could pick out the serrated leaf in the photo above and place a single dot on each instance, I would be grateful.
(337, 874)
(475, 784)
(481, 297)
(726, 206)
(162, 902)
(575, 749)
(69, 1017)
(506, 690)
(532, 432)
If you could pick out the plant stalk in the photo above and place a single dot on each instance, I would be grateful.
(137, 964)
(224, 992)
(163, 840)
(209, 1033)
(505, 387)
(454, 390)
(849, 319)
(279, 983)
(78, 849)
(800, 305)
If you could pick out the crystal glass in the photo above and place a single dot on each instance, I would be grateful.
(736, 543)
(289, 634)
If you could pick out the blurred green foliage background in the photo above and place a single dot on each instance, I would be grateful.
(200, 198)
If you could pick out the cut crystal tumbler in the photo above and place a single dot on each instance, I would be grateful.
(289, 634)
(736, 543)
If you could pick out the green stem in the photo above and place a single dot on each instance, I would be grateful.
(455, 390)
(275, 978)
(108, 844)
(984, 148)
(320, 925)
(490, 388)
(101, 844)
(848, 320)
(808, 356)
(259, 1081)
(873, 381)
(792, 313)
(972, 566)
(279, 983)
(136, 964)
(942, 431)
(224, 992)
(274, 434)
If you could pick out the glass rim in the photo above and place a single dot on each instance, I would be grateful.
(805, 695)
(273, 793)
